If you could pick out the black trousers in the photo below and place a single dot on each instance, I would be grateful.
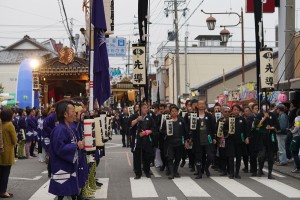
(191, 156)
(235, 150)
(163, 156)
(49, 168)
(32, 146)
(139, 156)
(266, 154)
(4, 174)
(124, 134)
(253, 161)
(223, 160)
(174, 154)
(204, 156)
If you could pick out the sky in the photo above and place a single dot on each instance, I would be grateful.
(42, 19)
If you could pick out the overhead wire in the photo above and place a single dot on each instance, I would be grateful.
(62, 17)
(183, 24)
(71, 36)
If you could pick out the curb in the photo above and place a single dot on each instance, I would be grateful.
(286, 173)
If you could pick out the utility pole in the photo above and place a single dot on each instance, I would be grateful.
(175, 9)
(185, 57)
(177, 50)
(128, 57)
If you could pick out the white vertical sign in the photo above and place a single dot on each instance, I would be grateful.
(139, 65)
(266, 68)
(154, 91)
(109, 16)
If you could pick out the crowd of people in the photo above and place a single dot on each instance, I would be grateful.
(162, 135)
(220, 137)
(57, 135)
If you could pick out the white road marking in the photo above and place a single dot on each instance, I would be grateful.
(189, 187)
(44, 172)
(235, 187)
(155, 172)
(274, 173)
(113, 146)
(26, 179)
(280, 187)
(142, 187)
(102, 193)
(171, 198)
(42, 193)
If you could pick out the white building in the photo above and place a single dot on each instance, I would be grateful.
(206, 59)
(12, 56)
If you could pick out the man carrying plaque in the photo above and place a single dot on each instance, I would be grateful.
(223, 160)
(236, 136)
(175, 134)
(203, 139)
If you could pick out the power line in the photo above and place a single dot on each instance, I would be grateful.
(71, 36)
(63, 21)
(183, 24)
(28, 12)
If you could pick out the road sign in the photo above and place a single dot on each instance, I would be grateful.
(116, 47)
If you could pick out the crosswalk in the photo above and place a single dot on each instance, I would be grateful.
(191, 188)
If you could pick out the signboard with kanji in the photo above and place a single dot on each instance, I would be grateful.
(266, 69)
(139, 65)
(109, 10)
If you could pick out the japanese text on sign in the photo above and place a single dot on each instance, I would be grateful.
(139, 67)
(266, 69)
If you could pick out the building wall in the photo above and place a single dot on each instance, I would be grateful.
(232, 83)
(204, 67)
(9, 77)
(200, 68)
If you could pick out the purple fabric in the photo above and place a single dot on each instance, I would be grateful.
(101, 63)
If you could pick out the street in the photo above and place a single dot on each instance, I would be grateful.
(28, 180)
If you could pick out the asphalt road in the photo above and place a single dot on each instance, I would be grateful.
(28, 180)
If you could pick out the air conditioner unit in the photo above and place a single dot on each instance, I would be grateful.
(294, 95)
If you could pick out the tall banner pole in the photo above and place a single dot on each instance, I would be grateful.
(91, 83)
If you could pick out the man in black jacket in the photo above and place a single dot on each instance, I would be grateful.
(124, 127)
(203, 139)
(175, 136)
(267, 124)
(143, 146)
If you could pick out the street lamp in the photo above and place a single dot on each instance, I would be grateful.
(225, 34)
(211, 22)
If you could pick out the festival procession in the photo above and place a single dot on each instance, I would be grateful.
(96, 103)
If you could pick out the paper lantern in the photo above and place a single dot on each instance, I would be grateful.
(282, 97)
(89, 135)
(131, 95)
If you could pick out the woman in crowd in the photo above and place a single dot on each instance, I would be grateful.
(7, 156)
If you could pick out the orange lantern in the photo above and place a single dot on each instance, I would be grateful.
(131, 95)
